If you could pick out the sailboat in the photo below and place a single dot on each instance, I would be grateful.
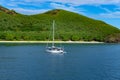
(53, 48)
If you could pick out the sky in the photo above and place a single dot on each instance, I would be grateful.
(105, 10)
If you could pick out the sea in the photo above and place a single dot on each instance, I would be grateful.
(80, 62)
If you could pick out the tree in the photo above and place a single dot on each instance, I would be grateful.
(9, 36)
(75, 38)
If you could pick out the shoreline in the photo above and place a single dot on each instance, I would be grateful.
(50, 42)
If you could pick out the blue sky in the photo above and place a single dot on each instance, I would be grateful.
(105, 10)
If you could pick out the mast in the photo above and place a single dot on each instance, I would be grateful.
(53, 33)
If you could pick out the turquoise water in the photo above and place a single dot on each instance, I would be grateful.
(81, 62)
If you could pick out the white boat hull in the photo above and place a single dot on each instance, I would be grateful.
(55, 51)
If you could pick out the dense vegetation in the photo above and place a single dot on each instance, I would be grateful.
(69, 26)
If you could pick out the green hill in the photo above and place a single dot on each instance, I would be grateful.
(69, 26)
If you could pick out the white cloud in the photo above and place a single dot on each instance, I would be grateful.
(29, 11)
(111, 15)
(105, 9)
(34, 1)
(91, 2)
(69, 8)
(75, 2)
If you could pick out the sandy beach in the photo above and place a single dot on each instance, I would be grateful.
(50, 42)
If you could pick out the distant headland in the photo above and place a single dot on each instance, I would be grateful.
(70, 26)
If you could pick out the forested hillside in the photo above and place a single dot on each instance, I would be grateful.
(68, 26)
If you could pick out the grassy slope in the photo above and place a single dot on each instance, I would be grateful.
(69, 26)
